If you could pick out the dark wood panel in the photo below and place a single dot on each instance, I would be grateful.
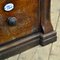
(26, 14)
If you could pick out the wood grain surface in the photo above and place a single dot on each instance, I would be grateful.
(26, 13)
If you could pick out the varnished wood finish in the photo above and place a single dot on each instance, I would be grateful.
(26, 13)
(33, 26)
(46, 25)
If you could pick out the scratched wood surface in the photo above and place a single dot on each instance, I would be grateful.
(26, 13)
(49, 52)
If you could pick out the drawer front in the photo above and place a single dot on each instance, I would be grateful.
(18, 18)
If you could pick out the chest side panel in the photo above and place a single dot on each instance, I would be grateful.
(27, 19)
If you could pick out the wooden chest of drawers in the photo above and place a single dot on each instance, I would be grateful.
(24, 24)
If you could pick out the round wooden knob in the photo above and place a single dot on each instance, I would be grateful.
(11, 21)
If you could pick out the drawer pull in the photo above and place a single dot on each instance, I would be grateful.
(11, 21)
